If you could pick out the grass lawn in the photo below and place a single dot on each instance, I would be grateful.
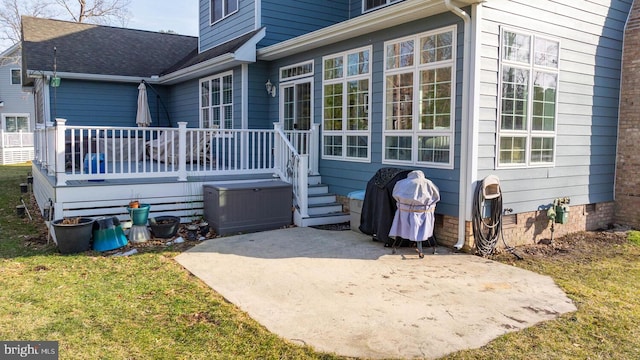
(148, 307)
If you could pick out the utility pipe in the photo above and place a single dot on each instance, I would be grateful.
(464, 131)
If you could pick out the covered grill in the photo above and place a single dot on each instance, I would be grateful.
(416, 198)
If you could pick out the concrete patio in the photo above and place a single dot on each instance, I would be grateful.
(340, 292)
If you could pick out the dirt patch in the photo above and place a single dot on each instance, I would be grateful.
(584, 244)
(580, 245)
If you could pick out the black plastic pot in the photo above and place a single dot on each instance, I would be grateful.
(73, 238)
(204, 228)
(164, 226)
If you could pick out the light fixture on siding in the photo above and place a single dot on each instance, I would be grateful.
(271, 89)
(1, 103)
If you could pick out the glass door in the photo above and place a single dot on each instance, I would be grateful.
(296, 107)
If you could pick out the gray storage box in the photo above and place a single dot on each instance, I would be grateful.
(247, 207)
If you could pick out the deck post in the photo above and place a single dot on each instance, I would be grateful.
(277, 150)
(182, 151)
(314, 147)
(59, 146)
(302, 185)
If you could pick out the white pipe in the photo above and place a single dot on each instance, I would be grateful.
(464, 131)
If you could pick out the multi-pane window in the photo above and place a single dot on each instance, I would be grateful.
(346, 84)
(528, 99)
(216, 102)
(16, 123)
(296, 71)
(372, 4)
(419, 99)
(16, 77)
(220, 9)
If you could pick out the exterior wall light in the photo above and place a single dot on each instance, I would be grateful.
(271, 89)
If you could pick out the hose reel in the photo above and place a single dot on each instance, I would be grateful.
(487, 215)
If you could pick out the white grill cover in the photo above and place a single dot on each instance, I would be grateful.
(416, 198)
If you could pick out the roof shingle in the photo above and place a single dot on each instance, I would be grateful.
(93, 49)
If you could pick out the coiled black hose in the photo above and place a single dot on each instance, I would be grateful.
(486, 231)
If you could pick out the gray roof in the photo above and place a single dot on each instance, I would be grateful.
(94, 49)
(225, 48)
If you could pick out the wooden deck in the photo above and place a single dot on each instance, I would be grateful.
(109, 197)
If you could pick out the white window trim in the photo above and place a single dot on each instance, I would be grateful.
(209, 78)
(387, 3)
(344, 133)
(224, 11)
(11, 76)
(6, 115)
(415, 133)
(528, 134)
(310, 74)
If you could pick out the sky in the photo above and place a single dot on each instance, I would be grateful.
(156, 15)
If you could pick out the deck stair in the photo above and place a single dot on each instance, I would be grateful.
(324, 209)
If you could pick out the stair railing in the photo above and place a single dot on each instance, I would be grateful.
(293, 168)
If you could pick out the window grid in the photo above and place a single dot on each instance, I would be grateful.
(216, 102)
(528, 100)
(419, 99)
(296, 71)
(435, 102)
(221, 9)
(346, 94)
(368, 5)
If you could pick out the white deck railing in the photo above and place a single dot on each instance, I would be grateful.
(102, 152)
(16, 139)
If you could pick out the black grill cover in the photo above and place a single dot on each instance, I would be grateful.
(379, 206)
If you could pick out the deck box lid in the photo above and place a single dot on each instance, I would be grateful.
(271, 184)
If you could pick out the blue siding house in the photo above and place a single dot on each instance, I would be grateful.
(527, 91)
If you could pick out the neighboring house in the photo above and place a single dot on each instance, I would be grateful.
(16, 111)
(524, 90)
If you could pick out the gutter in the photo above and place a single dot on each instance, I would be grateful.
(81, 76)
(466, 151)
(245, 54)
(399, 13)
(223, 60)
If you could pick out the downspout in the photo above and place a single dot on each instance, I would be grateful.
(464, 131)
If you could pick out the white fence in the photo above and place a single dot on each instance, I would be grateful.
(16, 147)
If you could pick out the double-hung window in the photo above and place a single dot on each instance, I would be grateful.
(346, 119)
(419, 99)
(220, 9)
(528, 100)
(216, 101)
